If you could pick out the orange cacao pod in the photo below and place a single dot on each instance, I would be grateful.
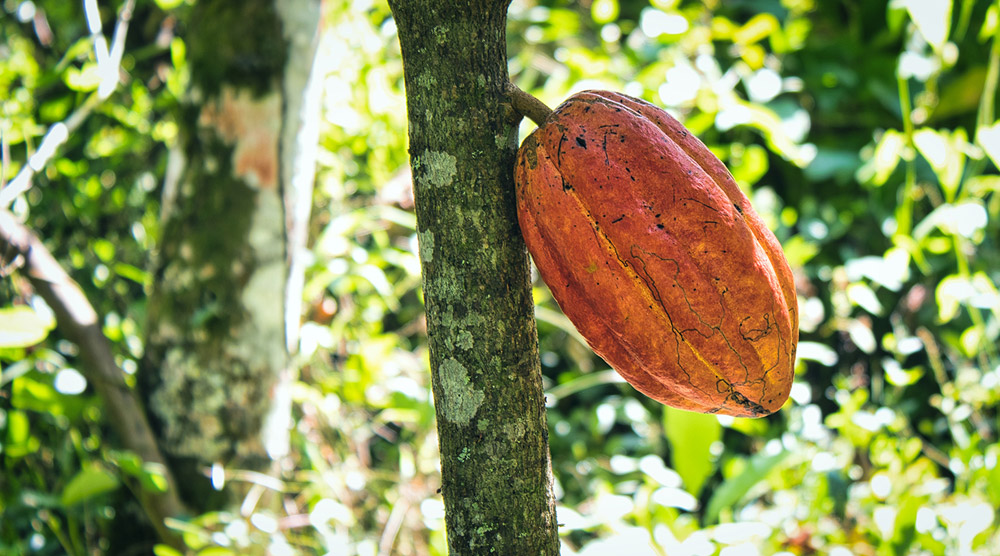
(654, 253)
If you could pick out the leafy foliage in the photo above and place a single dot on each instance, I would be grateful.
(865, 134)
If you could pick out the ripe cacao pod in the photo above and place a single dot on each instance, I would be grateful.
(656, 256)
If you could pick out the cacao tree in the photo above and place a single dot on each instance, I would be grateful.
(463, 132)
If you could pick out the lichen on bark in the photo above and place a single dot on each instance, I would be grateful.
(460, 399)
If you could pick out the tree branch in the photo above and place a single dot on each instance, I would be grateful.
(78, 321)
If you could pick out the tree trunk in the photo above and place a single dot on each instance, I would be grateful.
(223, 310)
(495, 470)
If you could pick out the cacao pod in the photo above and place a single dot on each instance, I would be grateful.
(656, 256)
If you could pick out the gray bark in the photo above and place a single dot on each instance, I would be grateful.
(495, 469)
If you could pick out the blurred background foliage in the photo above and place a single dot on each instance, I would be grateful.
(865, 134)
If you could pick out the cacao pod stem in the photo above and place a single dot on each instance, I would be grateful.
(527, 105)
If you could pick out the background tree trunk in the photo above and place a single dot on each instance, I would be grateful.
(223, 311)
(495, 470)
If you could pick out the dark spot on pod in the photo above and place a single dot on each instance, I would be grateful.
(581, 141)
(619, 219)
(738, 209)
(660, 226)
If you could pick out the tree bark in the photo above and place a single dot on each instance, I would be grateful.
(495, 469)
(223, 310)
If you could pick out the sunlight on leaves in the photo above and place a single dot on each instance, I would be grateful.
(932, 18)
(965, 219)
(887, 155)
(955, 290)
(989, 139)
(944, 153)
(22, 327)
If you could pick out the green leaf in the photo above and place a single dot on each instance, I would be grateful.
(993, 482)
(887, 154)
(691, 436)
(32, 395)
(989, 27)
(153, 477)
(863, 296)
(954, 290)
(981, 186)
(933, 20)
(167, 5)
(87, 484)
(164, 550)
(215, 551)
(128, 462)
(19, 441)
(989, 139)
(22, 327)
(735, 488)
(966, 219)
(799, 250)
(104, 249)
(83, 79)
(944, 152)
(757, 28)
(897, 376)
(133, 273)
